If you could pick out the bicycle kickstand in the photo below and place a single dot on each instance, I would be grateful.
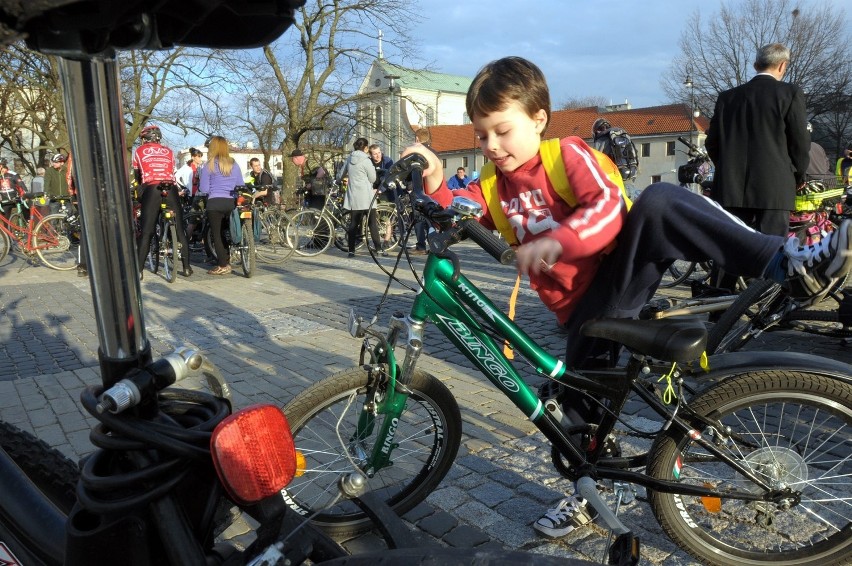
(625, 550)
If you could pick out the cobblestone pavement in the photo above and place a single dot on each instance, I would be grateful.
(276, 333)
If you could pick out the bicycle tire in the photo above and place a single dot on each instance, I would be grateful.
(679, 271)
(389, 227)
(5, 244)
(51, 471)
(341, 233)
(453, 557)
(56, 242)
(799, 319)
(734, 328)
(428, 433)
(792, 428)
(19, 225)
(167, 251)
(247, 249)
(274, 247)
(311, 234)
(153, 258)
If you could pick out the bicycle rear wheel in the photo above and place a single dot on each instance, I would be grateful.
(341, 233)
(274, 247)
(425, 442)
(247, 250)
(389, 226)
(679, 271)
(167, 251)
(791, 429)
(5, 244)
(153, 258)
(57, 242)
(749, 314)
(20, 225)
(311, 232)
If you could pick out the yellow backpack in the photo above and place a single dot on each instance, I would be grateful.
(551, 158)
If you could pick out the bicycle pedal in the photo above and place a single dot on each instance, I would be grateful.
(625, 550)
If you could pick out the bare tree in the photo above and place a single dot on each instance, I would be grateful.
(32, 123)
(304, 86)
(718, 51)
(182, 87)
(583, 102)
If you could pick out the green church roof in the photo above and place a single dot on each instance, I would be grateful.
(426, 80)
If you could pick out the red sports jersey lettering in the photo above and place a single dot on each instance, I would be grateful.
(155, 162)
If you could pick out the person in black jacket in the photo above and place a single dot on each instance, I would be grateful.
(759, 143)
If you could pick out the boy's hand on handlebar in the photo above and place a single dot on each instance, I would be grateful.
(433, 174)
(540, 255)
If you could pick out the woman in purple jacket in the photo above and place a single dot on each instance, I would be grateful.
(217, 180)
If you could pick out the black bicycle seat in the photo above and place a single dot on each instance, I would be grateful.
(664, 339)
(90, 27)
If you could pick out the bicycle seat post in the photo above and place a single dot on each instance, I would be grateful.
(93, 110)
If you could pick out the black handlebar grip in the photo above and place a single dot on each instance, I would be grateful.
(497, 248)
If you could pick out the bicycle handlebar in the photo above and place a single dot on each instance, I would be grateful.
(496, 248)
(459, 215)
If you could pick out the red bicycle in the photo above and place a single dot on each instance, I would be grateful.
(54, 238)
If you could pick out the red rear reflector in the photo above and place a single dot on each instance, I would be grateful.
(253, 453)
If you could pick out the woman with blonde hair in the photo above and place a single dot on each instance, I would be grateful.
(217, 180)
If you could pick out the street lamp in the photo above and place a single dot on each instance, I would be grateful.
(394, 117)
(692, 113)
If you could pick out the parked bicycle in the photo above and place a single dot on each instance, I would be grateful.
(165, 249)
(54, 239)
(751, 464)
(270, 229)
(760, 306)
(319, 228)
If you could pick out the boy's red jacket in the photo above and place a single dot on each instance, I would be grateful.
(535, 210)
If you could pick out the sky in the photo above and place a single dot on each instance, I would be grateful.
(616, 50)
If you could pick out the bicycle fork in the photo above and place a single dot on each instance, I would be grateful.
(392, 400)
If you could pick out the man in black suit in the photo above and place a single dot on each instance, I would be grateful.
(759, 142)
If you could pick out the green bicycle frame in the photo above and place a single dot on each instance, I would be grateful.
(448, 300)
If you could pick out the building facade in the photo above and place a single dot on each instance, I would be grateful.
(395, 101)
(654, 130)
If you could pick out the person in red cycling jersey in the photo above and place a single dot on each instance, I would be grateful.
(154, 163)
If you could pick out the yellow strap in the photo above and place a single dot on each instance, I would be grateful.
(551, 158)
(488, 184)
(513, 299)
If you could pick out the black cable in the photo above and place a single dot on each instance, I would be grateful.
(180, 436)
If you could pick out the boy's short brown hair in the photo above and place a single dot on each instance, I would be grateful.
(505, 80)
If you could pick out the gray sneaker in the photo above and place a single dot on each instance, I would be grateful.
(813, 270)
(569, 514)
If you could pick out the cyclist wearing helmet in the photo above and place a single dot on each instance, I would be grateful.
(55, 183)
(154, 163)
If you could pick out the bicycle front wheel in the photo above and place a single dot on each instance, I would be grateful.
(425, 442)
(57, 242)
(247, 250)
(791, 429)
(167, 252)
(311, 232)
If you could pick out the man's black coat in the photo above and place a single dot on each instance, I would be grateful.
(759, 142)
